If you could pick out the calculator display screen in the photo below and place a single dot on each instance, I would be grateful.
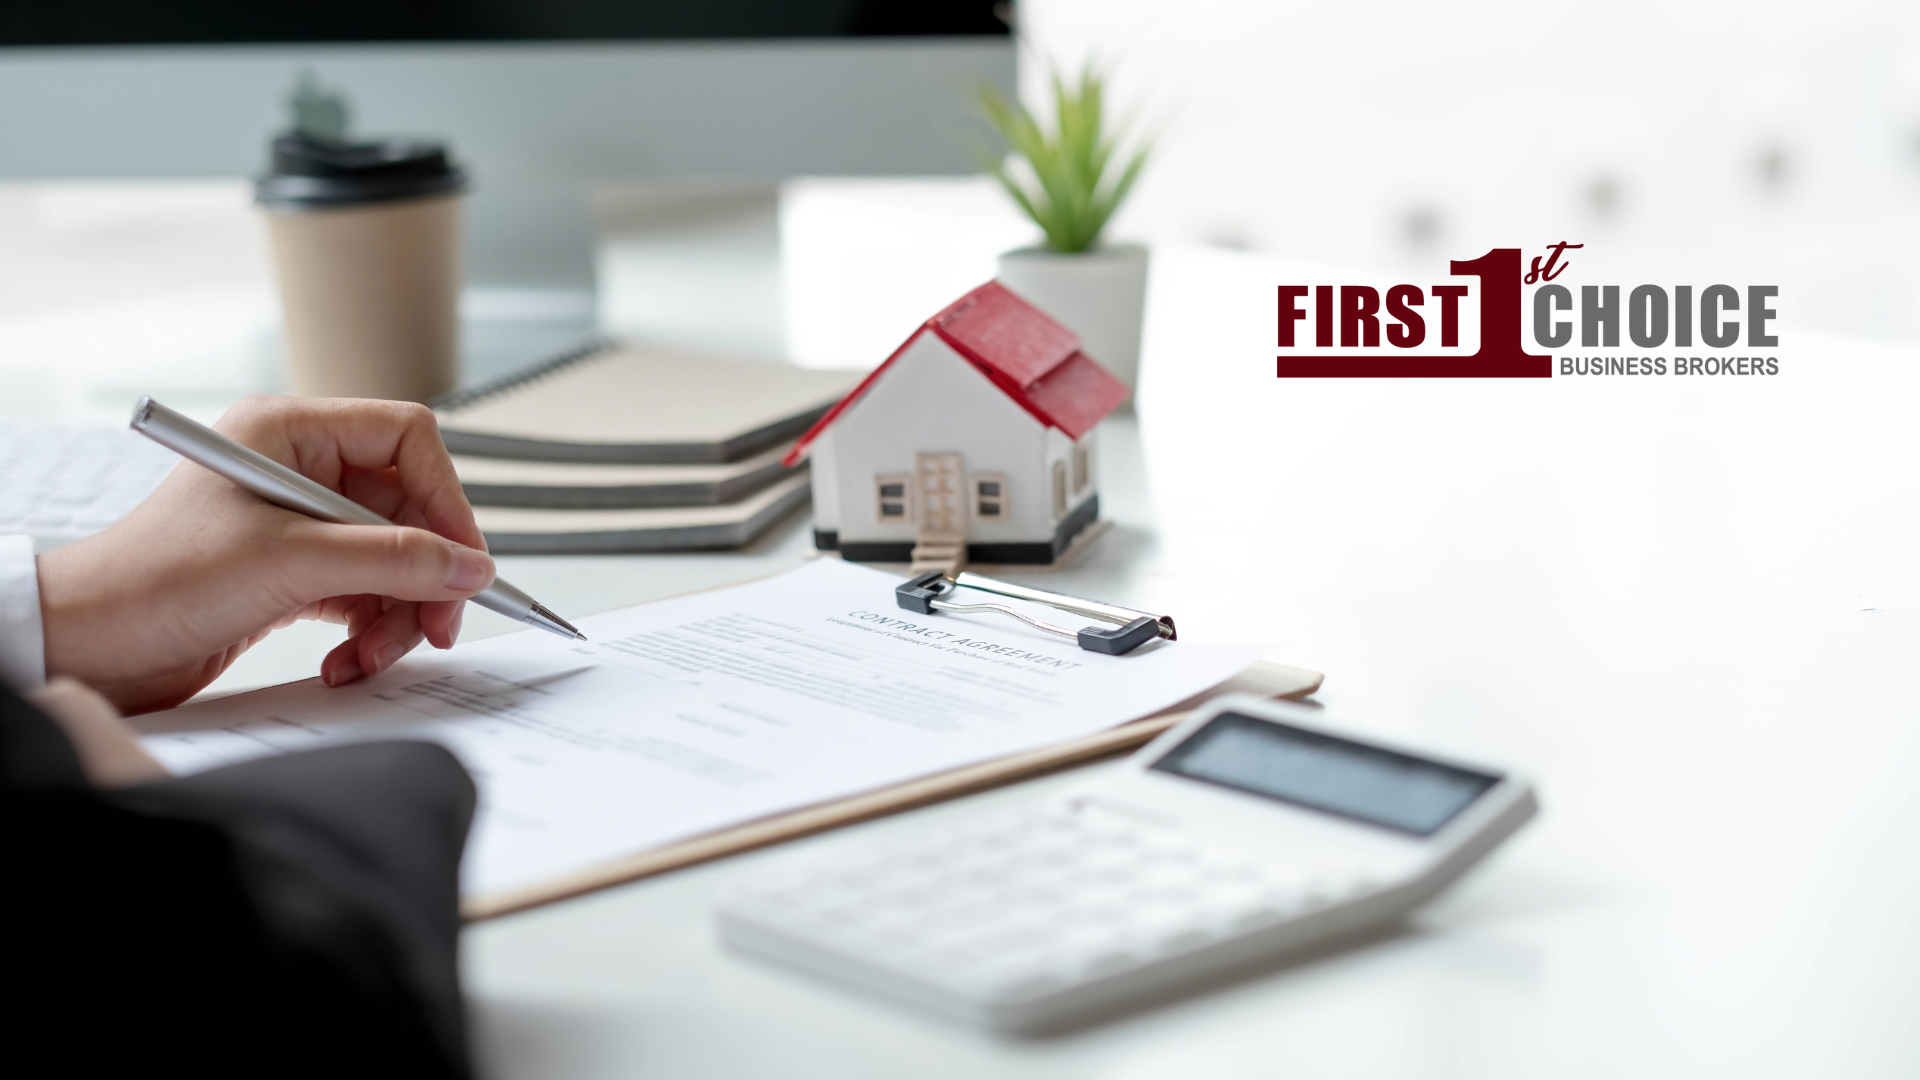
(1320, 772)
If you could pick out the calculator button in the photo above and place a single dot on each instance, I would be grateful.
(983, 876)
(1057, 824)
(1095, 917)
(853, 884)
(1183, 939)
(1010, 941)
(1229, 873)
(1100, 877)
(1124, 839)
(839, 917)
(1042, 894)
(1042, 862)
(1164, 894)
(972, 916)
(1245, 907)
(1255, 916)
(916, 897)
(1164, 854)
(758, 891)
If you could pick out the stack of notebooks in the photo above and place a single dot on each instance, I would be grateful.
(629, 447)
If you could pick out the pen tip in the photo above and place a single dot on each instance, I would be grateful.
(543, 617)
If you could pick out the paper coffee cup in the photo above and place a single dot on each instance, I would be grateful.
(366, 245)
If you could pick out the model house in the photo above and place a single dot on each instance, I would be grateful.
(974, 442)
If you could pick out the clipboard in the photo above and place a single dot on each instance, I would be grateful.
(1263, 678)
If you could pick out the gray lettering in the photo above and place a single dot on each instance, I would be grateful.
(1647, 316)
(1716, 334)
(1595, 315)
(1759, 314)
(1547, 299)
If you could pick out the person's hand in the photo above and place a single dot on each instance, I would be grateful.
(109, 751)
(154, 608)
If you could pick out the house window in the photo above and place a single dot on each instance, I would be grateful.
(1059, 489)
(890, 497)
(1082, 467)
(990, 497)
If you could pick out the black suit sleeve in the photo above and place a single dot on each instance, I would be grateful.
(294, 916)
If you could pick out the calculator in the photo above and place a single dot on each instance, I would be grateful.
(1254, 829)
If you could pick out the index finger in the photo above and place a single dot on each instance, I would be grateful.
(319, 438)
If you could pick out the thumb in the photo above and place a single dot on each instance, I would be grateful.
(388, 560)
(109, 751)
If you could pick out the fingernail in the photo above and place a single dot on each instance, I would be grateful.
(453, 629)
(390, 652)
(471, 570)
(342, 672)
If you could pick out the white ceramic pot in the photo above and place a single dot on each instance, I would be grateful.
(1100, 295)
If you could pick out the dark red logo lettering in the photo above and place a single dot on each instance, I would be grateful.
(1500, 355)
(1537, 273)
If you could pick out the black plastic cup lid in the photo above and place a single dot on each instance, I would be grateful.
(315, 171)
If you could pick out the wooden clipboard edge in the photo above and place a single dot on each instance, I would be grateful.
(1289, 682)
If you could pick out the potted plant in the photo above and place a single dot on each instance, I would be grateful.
(1070, 181)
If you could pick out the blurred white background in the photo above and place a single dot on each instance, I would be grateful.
(1767, 141)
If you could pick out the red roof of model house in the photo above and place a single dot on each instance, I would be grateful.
(1032, 359)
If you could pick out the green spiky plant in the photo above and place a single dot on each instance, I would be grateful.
(1075, 186)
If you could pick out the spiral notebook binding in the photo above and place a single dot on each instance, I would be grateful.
(454, 400)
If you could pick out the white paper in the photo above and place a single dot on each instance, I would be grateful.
(688, 715)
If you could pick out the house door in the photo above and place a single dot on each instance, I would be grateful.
(942, 483)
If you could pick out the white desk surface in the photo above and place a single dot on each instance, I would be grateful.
(1686, 607)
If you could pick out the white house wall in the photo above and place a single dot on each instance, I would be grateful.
(826, 481)
(1092, 441)
(1060, 448)
(931, 399)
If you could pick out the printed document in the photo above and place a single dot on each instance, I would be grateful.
(694, 714)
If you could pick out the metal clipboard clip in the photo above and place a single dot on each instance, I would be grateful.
(1132, 629)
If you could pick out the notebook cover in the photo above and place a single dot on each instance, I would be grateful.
(514, 531)
(573, 485)
(640, 403)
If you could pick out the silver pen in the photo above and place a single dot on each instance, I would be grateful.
(282, 486)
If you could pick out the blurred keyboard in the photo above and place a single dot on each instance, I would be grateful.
(60, 482)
